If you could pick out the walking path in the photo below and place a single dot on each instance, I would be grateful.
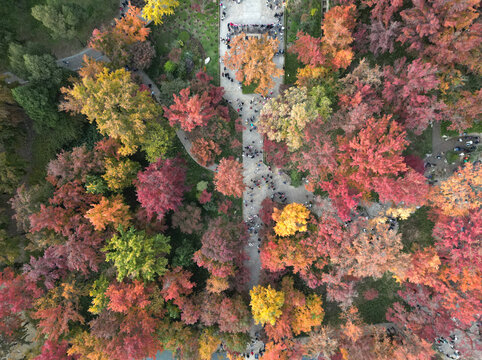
(256, 173)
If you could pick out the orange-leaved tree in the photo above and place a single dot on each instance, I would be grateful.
(461, 192)
(111, 211)
(299, 313)
(333, 49)
(205, 151)
(208, 343)
(114, 42)
(252, 59)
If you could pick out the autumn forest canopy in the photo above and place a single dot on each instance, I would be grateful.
(128, 170)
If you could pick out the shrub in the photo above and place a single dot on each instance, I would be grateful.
(170, 67)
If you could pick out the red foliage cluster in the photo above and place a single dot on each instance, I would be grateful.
(229, 178)
(17, 294)
(160, 187)
(191, 111)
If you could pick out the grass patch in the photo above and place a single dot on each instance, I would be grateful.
(373, 311)
(305, 16)
(291, 68)
(419, 144)
(451, 156)
(45, 147)
(445, 131)
(249, 89)
(296, 178)
(417, 230)
(195, 172)
(199, 32)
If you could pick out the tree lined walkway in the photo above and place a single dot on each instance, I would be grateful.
(250, 12)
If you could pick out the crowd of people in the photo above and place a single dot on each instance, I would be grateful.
(123, 8)
(260, 179)
(273, 30)
(274, 4)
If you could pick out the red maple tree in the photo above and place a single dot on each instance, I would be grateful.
(160, 187)
(228, 178)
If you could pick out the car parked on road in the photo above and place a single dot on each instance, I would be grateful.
(465, 149)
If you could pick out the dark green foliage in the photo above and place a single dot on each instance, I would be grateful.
(6, 37)
(39, 102)
(296, 178)
(332, 312)
(373, 311)
(61, 17)
(11, 170)
(95, 184)
(184, 36)
(173, 310)
(15, 58)
(42, 68)
(249, 89)
(36, 101)
(305, 17)
(417, 230)
(54, 130)
(183, 254)
(167, 88)
(12, 118)
(419, 144)
(18, 25)
(291, 66)
(89, 136)
(236, 342)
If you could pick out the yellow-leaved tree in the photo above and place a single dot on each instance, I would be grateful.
(401, 212)
(208, 343)
(309, 315)
(266, 304)
(87, 346)
(117, 106)
(155, 10)
(291, 219)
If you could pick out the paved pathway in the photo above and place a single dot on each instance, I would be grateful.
(255, 12)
